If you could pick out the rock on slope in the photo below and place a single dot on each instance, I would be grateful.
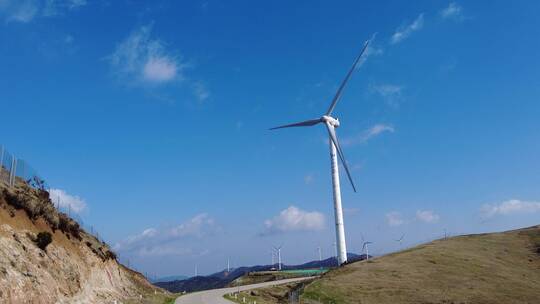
(74, 268)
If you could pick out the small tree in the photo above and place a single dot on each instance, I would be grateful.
(43, 239)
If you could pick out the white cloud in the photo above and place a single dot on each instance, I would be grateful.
(405, 31)
(351, 211)
(57, 7)
(26, 10)
(19, 10)
(308, 179)
(368, 134)
(65, 200)
(387, 90)
(294, 219)
(394, 219)
(200, 91)
(370, 51)
(159, 69)
(391, 93)
(168, 241)
(427, 216)
(512, 206)
(143, 60)
(452, 11)
(198, 226)
(164, 250)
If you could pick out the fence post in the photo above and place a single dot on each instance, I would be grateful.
(13, 171)
(2, 157)
(23, 169)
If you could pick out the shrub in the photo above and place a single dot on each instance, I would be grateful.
(111, 255)
(43, 239)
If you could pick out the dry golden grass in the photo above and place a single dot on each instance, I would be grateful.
(487, 268)
(496, 268)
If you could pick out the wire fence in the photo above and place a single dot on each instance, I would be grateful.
(15, 171)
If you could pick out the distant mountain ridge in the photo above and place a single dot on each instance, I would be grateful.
(169, 278)
(223, 278)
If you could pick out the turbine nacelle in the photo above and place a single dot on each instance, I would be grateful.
(334, 122)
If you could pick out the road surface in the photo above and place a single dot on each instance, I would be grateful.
(215, 296)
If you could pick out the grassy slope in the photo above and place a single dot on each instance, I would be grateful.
(486, 268)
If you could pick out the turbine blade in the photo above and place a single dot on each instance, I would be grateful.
(332, 133)
(340, 90)
(306, 123)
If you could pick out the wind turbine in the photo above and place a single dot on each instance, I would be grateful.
(278, 249)
(366, 247)
(331, 124)
(400, 240)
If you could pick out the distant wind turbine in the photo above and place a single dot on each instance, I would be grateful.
(278, 250)
(365, 248)
(331, 124)
(365, 245)
(400, 240)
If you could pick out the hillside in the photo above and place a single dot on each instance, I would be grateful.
(224, 278)
(484, 268)
(74, 267)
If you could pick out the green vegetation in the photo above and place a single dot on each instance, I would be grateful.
(169, 300)
(151, 298)
(43, 239)
(267, 276)
(267, 295)
(496, 268)
(306, 272)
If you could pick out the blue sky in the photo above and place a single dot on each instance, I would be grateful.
(151, 121)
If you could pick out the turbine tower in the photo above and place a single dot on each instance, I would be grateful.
(365, 247)
(278, 250)
(331, 124)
